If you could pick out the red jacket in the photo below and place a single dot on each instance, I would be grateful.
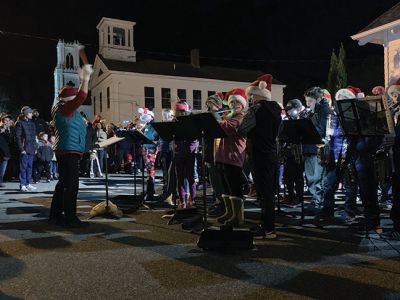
(231, 149)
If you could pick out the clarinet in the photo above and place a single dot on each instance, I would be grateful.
(324, 152)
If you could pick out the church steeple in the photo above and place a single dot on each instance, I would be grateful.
(67, 69)
(116, 39)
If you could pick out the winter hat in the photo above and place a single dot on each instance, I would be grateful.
(326, 95)
(394, 88)
(182, 106)
(145, 111)
(238, 95)
(167, 115)
(350, 92)
(216, 100)
(378, 90)
(26, 110)
(67, 93)
(294, 104)
(261, 87)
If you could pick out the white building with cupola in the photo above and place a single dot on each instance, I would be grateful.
(385, 31)
(122, 82)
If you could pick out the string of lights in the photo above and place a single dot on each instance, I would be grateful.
(249, 60)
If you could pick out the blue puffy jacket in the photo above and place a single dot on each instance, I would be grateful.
(70, 132)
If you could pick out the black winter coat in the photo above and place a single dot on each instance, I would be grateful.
(4, 149)
(44, 152)
(91, 137)
(263, 136)
(26, 135)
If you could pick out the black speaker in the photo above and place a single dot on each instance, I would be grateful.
(226, 239)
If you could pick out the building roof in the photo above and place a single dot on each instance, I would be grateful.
(169, 68)
(387, 17)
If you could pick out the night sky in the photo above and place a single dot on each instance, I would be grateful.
(292, 40)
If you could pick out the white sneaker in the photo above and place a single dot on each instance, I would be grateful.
(24, 188)
(31, 187)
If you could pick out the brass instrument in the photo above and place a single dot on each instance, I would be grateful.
(324, 151)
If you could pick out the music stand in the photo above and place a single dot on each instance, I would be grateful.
(171, 131)
(138, 137)
(106, 208)
(365, 117)
(208, 127)
(301, 131)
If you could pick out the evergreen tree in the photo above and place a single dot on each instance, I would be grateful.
(332, 75)
(337, 76)
(341, 70)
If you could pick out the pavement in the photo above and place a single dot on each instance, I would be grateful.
(140, 256)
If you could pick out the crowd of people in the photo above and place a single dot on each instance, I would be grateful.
(250, 159)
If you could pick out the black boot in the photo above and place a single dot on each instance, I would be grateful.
(149, 197)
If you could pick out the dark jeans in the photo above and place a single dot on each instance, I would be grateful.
(266, 181)
(215, 179)
(3, 167)
(294, 179)
(121, 155)
(66, 191)
(364, 164)
(232, 180)
(25, 168)
(350, 193)
(328, 188)
(395, 212)
(84, 165)
(165, 159)
(41, 167)
(53, 168)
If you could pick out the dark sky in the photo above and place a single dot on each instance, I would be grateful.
(292, 40)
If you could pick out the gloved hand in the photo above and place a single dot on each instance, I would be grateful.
(87, 70)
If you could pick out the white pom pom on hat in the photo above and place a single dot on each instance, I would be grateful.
(261, 86)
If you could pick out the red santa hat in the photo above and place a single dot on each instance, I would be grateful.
(351, 92)
(145, 111)
(67, 93)
(238, 95)
(261, 86)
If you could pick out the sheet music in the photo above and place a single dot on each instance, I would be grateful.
(108, 142)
